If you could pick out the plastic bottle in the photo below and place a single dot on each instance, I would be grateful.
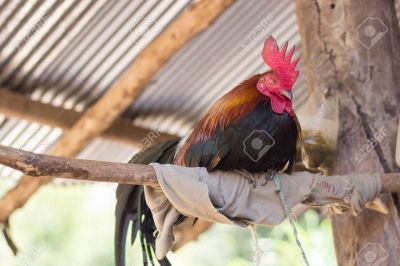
(319, 120)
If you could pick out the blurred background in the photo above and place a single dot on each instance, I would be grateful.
(74, 225)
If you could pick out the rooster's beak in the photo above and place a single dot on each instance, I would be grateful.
(287, 94)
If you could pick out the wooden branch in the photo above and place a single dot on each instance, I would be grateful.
(39, 165)
(340, 56)
(19, 106)
(45, 165)
(125, 90)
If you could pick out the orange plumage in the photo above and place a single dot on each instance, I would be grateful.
(233, 106)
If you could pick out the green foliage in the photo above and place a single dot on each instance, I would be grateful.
(232, 246)
(64, 226)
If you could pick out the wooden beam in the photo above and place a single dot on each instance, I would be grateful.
(99, 117)
(122, 93)
(354, 44)
(19, 106)
(15, 105)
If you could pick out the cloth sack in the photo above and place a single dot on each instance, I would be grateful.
(229, 197)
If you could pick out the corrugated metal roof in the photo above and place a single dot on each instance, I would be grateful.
(68, 53)
(214, 63)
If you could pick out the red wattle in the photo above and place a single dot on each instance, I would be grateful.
(279, 104)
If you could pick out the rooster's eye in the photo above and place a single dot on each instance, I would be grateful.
(272, 81)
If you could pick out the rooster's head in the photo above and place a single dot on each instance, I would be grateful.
(277, 84)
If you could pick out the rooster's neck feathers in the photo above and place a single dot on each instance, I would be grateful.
(231, 107)
(234, 105)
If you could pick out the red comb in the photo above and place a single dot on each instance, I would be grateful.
(280, 63)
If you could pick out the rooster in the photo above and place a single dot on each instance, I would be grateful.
(252, 128)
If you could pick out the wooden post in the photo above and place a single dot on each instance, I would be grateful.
(355, 44)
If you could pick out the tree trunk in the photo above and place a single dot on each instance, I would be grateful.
(353, 47)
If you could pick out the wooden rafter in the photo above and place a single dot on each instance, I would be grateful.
(22, 107)
(124, 91)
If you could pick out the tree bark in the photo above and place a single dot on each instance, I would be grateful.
(352, 47)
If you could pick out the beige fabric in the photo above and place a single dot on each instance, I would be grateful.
(228, 197)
